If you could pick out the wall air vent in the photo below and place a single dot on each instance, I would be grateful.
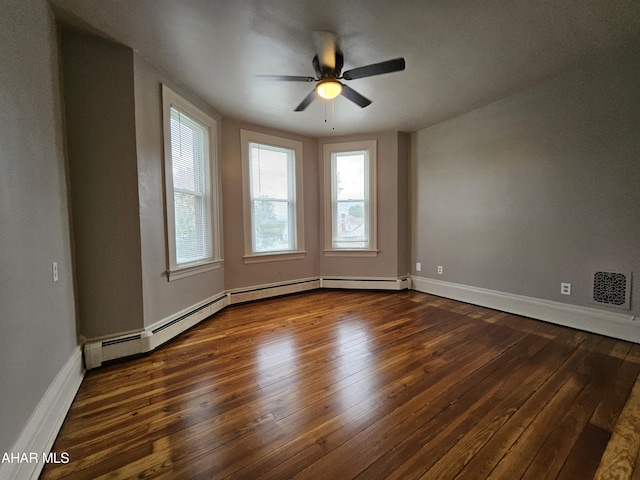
(612, 289)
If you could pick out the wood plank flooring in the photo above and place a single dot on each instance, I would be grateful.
(357, 384)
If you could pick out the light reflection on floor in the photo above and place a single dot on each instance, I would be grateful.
(355, 361)
(276, 359)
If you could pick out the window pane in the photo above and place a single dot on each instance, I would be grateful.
(192, 228)
(350, 229)
(188, 153)
(271, 226)
(270, 172)
(272, 198)
(350, 199)
(189, 162)
(350, 176)
(350, 207)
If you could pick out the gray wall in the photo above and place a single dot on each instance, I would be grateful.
(404, 215)
(393, 217)
(237, 273)
(101, 145)
(393, 254)
(37, 316)
(113, 106)
(162, 298)
(540, 188)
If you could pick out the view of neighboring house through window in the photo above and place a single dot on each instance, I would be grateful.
(350, 193)
(189, 181)
(350, 204)
(272, 173)
(272, 193)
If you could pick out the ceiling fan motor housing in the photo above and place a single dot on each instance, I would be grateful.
(323, 71)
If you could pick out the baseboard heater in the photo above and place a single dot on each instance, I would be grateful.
(97, 352)
(403, 283)
(272, 290)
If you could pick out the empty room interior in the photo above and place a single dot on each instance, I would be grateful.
(338, 239)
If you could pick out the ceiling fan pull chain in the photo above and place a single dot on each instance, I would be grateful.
(333, 114)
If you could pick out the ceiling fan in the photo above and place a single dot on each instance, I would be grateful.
(328, 63)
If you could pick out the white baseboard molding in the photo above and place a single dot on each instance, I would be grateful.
(41, 430)
(616, 325)
(259, 292)
(163, 331)
(99, 350)
(360, 283)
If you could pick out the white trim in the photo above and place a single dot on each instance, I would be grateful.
(161, 332)
(183, 312)
(259, 292)
(99, 350)
(246, 137)
(194, 269)
(171, 99)
(42, 428)
(351, 253)
(371, 195)
(366, 283)
(274, 257)
(103, 349)
(131, 343)
(602, 322)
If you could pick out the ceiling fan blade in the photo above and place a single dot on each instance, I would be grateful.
(355, 97)
(306, 102)
(395, 65)
(286, 78)
(326, 46)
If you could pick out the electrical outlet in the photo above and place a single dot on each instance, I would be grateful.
(54, 271)
(418, 267)
(565, 288)
(440, 271)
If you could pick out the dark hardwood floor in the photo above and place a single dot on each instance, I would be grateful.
(356, 384)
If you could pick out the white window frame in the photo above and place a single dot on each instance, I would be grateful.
(298, 252)
(330, 195)
(175, 271)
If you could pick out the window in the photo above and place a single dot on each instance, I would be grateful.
(350, 199)
(272, 191)
(191, 186)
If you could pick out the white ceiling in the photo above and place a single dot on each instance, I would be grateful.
(460, 54)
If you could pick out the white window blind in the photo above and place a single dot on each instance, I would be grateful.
(191, 188)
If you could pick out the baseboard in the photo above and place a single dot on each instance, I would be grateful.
(99, 350)
(41, 430)
(360, 283)
(163, 331)
(260, 292)
(616, 325)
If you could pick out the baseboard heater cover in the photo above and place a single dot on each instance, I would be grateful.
(97, 352)
(272, 290)
(403, 283)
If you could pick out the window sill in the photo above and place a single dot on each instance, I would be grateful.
(274, 256)
(351, 253)
(193, 269)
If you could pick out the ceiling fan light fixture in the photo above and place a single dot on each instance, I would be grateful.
(329, 89)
